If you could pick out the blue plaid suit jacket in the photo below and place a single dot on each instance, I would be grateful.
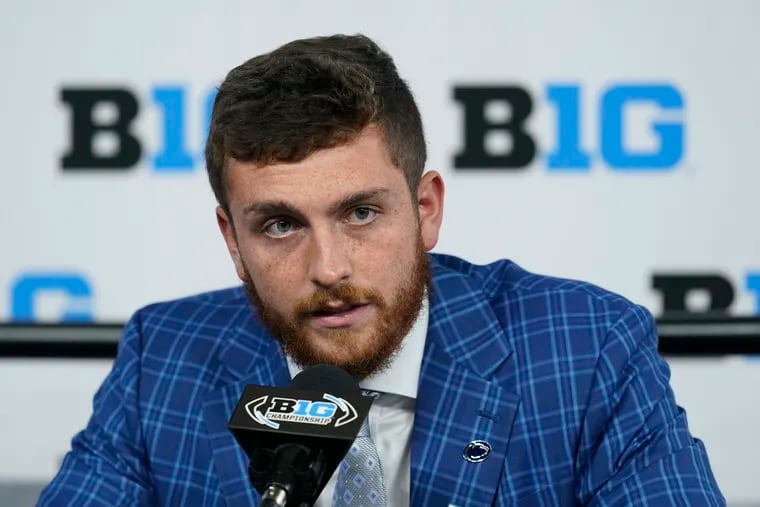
(563, 379)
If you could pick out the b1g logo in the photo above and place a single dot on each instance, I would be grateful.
(125, 149)
(717, 291)
(569, 152)
(66, 296)
(266, 411)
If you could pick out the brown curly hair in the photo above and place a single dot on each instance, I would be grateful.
(308, 95)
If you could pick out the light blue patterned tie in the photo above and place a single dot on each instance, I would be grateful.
(360, 477)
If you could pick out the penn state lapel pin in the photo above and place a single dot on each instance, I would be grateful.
(476, 451)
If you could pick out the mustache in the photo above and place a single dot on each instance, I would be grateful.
(346, 294)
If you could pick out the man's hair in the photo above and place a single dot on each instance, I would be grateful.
(308, 95)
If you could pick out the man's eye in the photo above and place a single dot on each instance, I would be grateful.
(362, 215)
(279, 228)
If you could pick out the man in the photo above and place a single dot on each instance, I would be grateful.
(497, 386)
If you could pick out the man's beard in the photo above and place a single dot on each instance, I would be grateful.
(394, 321)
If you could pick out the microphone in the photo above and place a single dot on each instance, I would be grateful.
(296, 436)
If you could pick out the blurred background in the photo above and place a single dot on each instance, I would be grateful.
(607, 141)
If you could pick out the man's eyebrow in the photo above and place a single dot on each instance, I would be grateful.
(272, 208)
(358, 198)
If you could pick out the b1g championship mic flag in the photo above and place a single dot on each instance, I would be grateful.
(296, 436)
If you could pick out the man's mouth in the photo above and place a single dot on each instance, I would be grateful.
(340, 315)
(334, 310)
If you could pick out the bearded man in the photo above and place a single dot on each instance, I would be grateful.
(495, 386)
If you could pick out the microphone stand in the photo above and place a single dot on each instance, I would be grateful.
(274, 496)
(288, 476)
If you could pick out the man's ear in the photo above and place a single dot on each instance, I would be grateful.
(430, 207)
(227, 228)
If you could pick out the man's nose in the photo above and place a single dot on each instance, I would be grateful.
(329, 262)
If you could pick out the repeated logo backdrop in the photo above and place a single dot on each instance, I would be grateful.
(101, 139)
(605, 151)
(613, 142)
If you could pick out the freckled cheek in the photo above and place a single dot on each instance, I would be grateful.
(279, 287)
(384, 263)
(265, 269)
(277, 271)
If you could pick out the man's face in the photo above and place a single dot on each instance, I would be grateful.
(332, 250)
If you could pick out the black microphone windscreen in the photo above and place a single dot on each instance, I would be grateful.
(326, 378)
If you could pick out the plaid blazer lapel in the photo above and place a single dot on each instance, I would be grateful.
(458, 400)
(250, 357)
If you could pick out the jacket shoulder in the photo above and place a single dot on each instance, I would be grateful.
(188, 330)
(512, 289)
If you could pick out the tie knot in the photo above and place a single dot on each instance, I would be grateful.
(371, 394)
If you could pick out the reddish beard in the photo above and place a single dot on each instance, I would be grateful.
(394, 321)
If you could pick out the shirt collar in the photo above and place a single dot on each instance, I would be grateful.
(402, 374)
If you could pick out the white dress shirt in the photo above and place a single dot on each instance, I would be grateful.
(391, 416)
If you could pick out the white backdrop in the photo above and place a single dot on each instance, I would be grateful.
(142, 235)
